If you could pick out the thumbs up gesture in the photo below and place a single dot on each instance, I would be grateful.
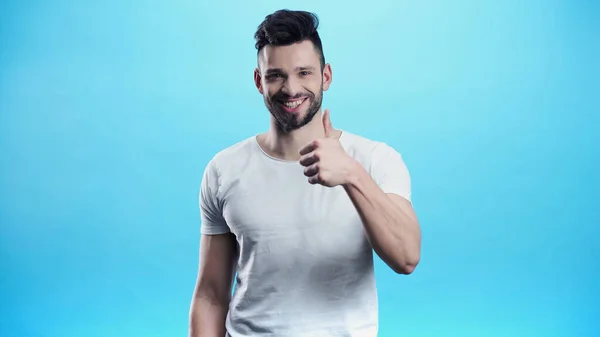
(325, 161)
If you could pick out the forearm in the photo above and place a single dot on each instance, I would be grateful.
(392, 229)
(207, 317)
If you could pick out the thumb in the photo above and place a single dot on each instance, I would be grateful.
(327, 124)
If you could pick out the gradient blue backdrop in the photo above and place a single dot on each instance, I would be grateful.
(111, 109)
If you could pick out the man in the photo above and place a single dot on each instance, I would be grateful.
(298, 210)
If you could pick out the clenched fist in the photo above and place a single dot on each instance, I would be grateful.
(325, 161)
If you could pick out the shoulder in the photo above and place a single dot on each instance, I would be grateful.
(234, 154)
(230, 160)
(384, 163)
(365, 149)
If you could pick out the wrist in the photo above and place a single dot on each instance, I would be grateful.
(355, 174)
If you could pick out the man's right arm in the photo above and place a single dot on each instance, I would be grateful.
(212, 293)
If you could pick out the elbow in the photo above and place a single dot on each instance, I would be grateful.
(405, 266)
(405, 269)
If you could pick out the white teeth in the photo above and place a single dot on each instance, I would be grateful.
(293, 105)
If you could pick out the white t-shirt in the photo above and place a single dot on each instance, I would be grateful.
(305, 267)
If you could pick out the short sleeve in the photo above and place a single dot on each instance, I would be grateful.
(211, 212)
(390, 172)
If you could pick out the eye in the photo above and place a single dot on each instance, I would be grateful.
(271, 77)
(304, 73)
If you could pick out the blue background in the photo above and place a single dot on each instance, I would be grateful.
(111, 109)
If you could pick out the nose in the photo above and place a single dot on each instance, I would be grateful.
(291, 87)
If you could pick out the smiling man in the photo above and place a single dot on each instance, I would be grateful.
(297, 212)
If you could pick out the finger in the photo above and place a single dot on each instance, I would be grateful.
(311, 170)
(319, 177)
(314, 179)
(309, 158)
(310, 147)
(327, 126)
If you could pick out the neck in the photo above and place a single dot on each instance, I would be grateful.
(285, 145)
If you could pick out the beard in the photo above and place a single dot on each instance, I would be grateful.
(287, 122)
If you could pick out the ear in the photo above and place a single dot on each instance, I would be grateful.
(258, 80)
(327, 76)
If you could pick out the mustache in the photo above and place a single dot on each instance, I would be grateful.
(284, 97)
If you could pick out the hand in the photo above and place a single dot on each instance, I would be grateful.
(325, 161)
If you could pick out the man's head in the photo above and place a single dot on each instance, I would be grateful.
(292, 73)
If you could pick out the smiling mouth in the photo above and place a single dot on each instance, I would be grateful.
(292, 105)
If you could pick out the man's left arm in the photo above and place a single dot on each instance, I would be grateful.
(381, 197)
(382, 200)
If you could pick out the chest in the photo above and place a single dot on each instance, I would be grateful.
(278, 210)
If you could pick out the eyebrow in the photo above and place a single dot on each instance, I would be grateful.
(279, 70)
